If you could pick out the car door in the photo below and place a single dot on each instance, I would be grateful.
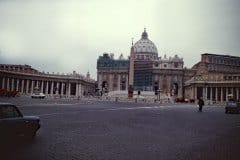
(11, 121)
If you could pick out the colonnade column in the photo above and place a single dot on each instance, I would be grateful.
(69, 90)
(27, 87)
(37, 84)
(12, 85)
(211, 95)
(51, 91)
(32, 86)
(237, 93)
(216, 94)
(203, 93)
(3, 82)
(57, 90)
(17, 87)
(80, 90)
(46, 89)
(76, 94)
(8, 84)
(42, 86)
(22, 86)
(195, 92)
(62, 85)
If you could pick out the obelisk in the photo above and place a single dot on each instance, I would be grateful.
(131, 73)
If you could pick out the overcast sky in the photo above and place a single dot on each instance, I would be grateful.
(66, 35)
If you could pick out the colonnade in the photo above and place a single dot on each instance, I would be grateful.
(217, 94)
(49, 86)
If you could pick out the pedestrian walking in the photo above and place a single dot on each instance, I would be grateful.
(200, 104)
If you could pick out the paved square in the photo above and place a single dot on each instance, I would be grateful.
(73, 129)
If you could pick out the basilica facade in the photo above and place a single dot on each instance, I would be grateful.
(151, 71)
(215, 77)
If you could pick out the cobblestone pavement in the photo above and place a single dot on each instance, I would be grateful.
(83, 130)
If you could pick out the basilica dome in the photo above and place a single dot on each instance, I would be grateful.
(144, 45)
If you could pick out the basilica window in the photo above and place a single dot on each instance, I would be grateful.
(156, 64)
(175, 65)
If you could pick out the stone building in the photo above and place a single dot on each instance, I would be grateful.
(151, 72)
(112, 74)
(24, 79)
(215, 78)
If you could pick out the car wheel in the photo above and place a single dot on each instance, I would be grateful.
(226, 111)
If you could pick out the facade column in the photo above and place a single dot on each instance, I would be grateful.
(51, 91)
(32, 85)
(27, 87)
(221, 95)
(110, 82)
(12, 85)
(216, 94)
(42, 86)
(17, 87)
(206, 91)
(3, 82)
(237, 90)
(46, 89)
(119, 82)
(22, 86)
(126, 83)
(226, 94)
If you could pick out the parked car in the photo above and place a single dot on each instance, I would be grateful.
(14, 124)
(232, 106)
(38, 95)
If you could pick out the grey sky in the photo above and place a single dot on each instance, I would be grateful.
(67, 35)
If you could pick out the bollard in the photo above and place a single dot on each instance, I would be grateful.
(116, 99)
(135, 100)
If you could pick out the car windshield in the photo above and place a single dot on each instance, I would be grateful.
(9, 112)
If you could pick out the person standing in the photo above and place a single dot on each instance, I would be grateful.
(200, 104)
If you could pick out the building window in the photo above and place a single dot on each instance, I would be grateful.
(175, 65)
(165, 65)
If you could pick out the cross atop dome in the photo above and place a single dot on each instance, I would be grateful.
(144, 34)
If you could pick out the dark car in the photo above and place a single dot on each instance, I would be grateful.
(14, 124)
(232, 106)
